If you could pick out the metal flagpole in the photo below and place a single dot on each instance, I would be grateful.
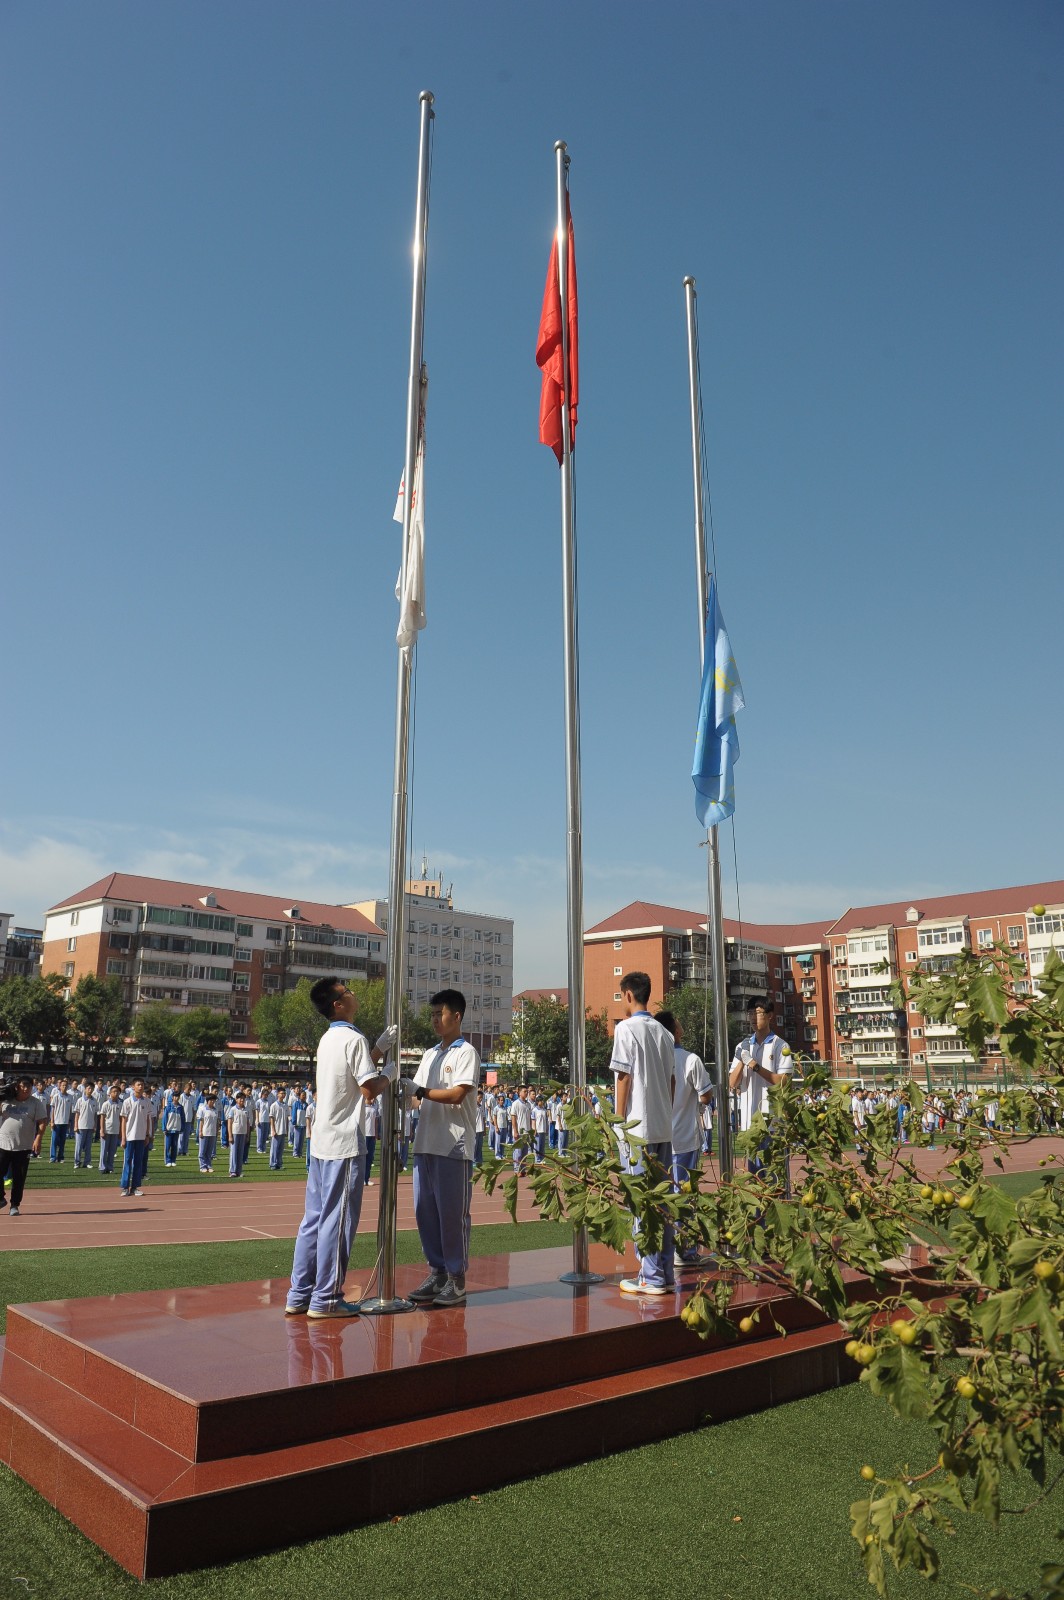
(581, 1272)
(386, 1300)
(716, 909)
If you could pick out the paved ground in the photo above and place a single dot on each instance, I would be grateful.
(59, 1219)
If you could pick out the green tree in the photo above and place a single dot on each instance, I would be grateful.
(544, 1030)
(158, 1028)
(289, 1024)
(201, 1034)
(34, 1014)
(978, 1351)
(98, 1017)
(598, 1042)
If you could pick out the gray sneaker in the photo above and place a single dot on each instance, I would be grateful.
(342, 1308)
(452, 1293)
(14, 1211)
(426, 1292)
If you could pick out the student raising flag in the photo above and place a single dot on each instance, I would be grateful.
(716, 741)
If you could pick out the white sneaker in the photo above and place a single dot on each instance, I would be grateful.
(637, 1286)
(14, 1211)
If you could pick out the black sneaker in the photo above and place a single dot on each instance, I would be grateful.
(426, 1292)
(452, 1293)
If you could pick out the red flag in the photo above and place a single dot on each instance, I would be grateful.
(549, 351)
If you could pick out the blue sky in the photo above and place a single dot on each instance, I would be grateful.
(206, 286)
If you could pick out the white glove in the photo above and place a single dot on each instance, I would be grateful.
(387, 1038)
(387, 1069)
(406, 1092)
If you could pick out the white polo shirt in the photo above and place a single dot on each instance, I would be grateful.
(752, 1089)
(140, 1117)
(444, 1130)
(691, 1080)
(645, 1050)
(343, 1063)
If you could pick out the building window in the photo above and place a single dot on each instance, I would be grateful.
(275, 934)
(1015, 935)
(985, 937)
(68, 969)
(242, 981)
(245, 930)
(271, 983)
(242, 955)
(811, 1035)
(617, 996)
(618, 944)
(916, 1033)
(72, 944)
(239, 1030)
(122, 914)
(616, 972)
(74, 915)
(910, 955)
(117, 969)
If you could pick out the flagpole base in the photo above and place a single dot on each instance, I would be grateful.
(376, 1307)
(582, 1277)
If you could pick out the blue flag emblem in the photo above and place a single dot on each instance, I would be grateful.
(716, 741)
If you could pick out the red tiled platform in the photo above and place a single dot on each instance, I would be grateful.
(140, 1415)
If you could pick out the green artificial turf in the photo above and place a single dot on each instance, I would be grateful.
(755, 1509)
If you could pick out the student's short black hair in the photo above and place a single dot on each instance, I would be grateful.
(764, 1002)
(324, 995)
(637, 984)
(453, 999)
(667, 1020)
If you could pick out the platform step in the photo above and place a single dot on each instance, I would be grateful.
(157, 1513)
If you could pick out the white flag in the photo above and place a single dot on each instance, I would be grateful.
(412, 602)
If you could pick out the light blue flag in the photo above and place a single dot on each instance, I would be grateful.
(716, 741)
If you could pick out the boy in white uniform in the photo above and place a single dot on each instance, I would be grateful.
(85, 1114)
(347, 1076)
(239, 1122)
(278, 1130)
(446, 1086)
(692, 1089)
(110, 1128)
(643, 1064)
(138, 1131)
(207, 1125)
(521, 1127)
(761, 1061)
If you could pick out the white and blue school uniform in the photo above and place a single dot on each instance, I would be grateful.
(540, 1120)
(371, 1127)
(690, 1083)
(62, 1109)
(278, 1133)
(262, 1121)
(110, 1115)
(85, 1114)
(239, 1123)
(501, 1118)
(207, 1128)
(173, 1128)
(310, 1115)
(772, 1055)
(299, 1126)
(478, 1136)
(335, 1156)
(443, 1156)
(561, 1122)
(138, 1118)
(190, 1105)
(645, 1052)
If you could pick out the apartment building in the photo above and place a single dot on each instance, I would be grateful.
(786, 961)
(834, 983)
(451, 948)
(193, 944)
(20, 949)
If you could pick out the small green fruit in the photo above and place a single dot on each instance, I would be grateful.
(864, 1354)
(1039, 910)
(746, 1325)
(1044, 1269)
(855, 1200)
(966, 1202)
(903, 1331)
(808, 1197)
(965, 1388)
(927, 1193)
(868, 1474)
(852, 1346)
